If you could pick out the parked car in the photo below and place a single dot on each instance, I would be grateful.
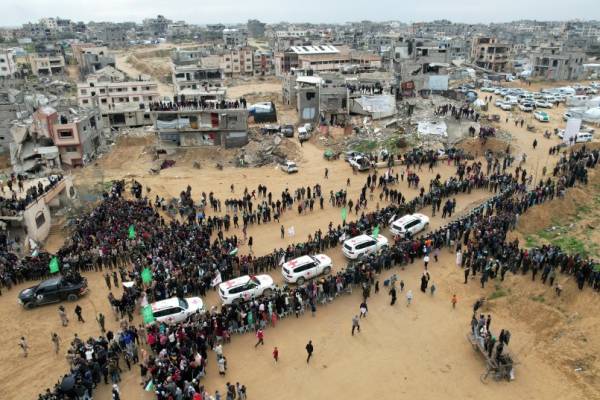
(567, 115)
(176, 309)
(488, 89)
(411, 223)
(270, 129)
(583, 137)
(53, 290)
(288, 130)
(543, 104)
(497, 102)
(303, 134)
(302, 268)
(350, 154)
(245, 288)
(541, 116)
(511, 100)
(289, 166)
(526, 107)
(363, 244)
(505, 106)
(360, 163)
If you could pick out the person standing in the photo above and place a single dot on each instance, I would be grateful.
(326, 173)
(363, 309)
(432, 289)
(63, 316)
(260, 335)
(100, 319)
(309, 350)
(107, 280)
(467, 270)
(282, 231)
(24, 346)
(393, 295)
(355, 324)
(55, 342)
(409, 297)
(275, 354)
(454, 301)
(78, 311)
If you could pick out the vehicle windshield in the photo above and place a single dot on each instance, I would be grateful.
(314, 259)
(255, 280)
(183, 303)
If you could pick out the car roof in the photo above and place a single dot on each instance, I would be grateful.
(162, 304)
(235, 282)
(359, 239)
(50, 282)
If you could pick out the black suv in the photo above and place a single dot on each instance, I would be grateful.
(53, 290)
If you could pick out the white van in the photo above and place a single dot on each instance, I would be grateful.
(245, 288)
(363, 244)
(176, 309)
(513, 100)
(302, 268)
(583, 137)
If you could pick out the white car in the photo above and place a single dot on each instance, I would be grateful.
(526, 107)
(363, 244)
(245, 288)
(488, 89)
(541, 116)
(543, 104)
(176, 309)
(511, 100)
(413, 223)
(289, 166)
(302, 268)
(505, 106)
(497, 102)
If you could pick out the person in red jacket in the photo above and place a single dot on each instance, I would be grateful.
(276, 354)
(260, 335)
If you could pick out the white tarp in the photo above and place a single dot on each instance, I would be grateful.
(174, 124)
(432, 129)
(438, 82)
(572, 129)
(592, 115)
(376, 107)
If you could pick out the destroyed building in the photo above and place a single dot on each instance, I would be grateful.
(490, 54)
(553, 62)
(323, 58)
(92, 58)
(226, 127)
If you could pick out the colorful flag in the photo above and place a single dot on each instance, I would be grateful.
(131, 232)
(147, 314)
(146, 275)
(233, 252)
(344, 214)
(375, 232)
(54, 265)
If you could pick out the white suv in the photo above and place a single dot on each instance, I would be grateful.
(302, 268)
(413, 223)
(175, 310)
(363, 244)
(245, 288)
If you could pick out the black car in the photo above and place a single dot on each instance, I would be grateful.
(53, 290)
(288, 130)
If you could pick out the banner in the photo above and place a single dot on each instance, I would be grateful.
(131, 232)
(54, 265)
(148, 315)
(376, 232)
(344, 214)
(217, 279)
(146, 275)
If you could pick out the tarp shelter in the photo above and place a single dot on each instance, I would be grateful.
(426, 128)
(263, 112)
(376, 107)
(571, 130)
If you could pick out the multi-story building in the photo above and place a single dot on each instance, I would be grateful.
(47, 63)
(188, 56)
(235, 37)
(552, 62)
(104, 93)
(490, 54)
(91, 58)
(157, 26)
(8, 63)
(11, 109)
(202, 127)
(264, 64)
(198, 82)
(324, 58)
(237, 62)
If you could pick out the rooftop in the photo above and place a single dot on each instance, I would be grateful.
(321, 49)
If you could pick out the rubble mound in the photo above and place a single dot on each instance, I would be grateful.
(266, 149)
(477, 147)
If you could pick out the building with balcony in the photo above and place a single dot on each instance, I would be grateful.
(226, 127)
(552, 62)
(238, 62)
(488, 53)
(8, 63)
(47, 64)
(104, 93)
(235, 37)
(198, 82)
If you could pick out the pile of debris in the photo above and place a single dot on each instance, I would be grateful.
(265, 149)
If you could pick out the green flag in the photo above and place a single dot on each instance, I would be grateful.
(344, 214)
(146, 275)
(375, 232)
(150, 386)
(131, 232)
(147, 314)
(54, 265)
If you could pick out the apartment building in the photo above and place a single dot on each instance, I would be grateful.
(237, 62)
(264, 64)
(235, 37)
(47, 63)
(256, 29)
(8, 63)
(199, 82)
(203, 127)
(552, 62)
(322, 58)
(489, 53)
(97, 91)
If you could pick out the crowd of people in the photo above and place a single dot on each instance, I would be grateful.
(17, 202)
(195, 104)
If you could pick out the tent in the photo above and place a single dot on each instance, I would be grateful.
(592, 115)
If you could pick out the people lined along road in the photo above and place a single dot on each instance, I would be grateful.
(13, 205)
(180, 354)
(194, 104)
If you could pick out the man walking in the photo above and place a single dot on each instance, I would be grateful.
(260, 335)
(63, 316)
(355, 324)
(275, 354)
(309, 350)
(56, 342)
(100, 319)
(24, 346)
(78, 313)
(409, 297)
(454, 301)
(393, 294)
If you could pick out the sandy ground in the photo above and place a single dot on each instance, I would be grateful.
(416, 352)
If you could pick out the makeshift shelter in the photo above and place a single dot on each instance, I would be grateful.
(592, 115)
(376, 107)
